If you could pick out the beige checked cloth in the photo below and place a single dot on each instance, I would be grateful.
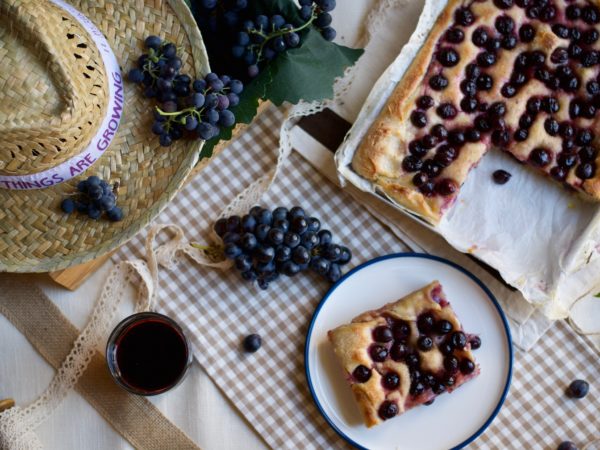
(269, 387)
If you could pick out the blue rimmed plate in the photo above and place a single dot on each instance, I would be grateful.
(454, 419)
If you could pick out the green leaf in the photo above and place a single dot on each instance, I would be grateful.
(597, 295)
(309, 71)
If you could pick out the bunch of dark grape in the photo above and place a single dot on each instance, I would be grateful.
(95, 198)
(265, 244)
(198, 108)
(263, 38)
(320, 9)
(231, 15)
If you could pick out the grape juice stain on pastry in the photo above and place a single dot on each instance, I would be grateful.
(520, 76)
(405, 354)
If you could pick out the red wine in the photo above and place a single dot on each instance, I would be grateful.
(151, 355)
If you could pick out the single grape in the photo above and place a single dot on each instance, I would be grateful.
(313, 224)
(197, 100)
(333, 252)
(164, 84)
(81, 207)
(94, 191)
(204, 130)
(234, 99)
(275, 236)
(191, 123)
(82, 186)
(248, 241)
(290, 268)
(262, 22)
(232, 251)
(67, 205)
(292, 39)
(231, 237)
(165, 140)
(326, 5)
(150, 92)
(263, 284)
(280, 213)
(107, 202)
(242, 38)
(243, 263)
(169, 50)
(176, 132)
(135, 76)
(283, 253)
(282, 224)
(278, 44)
(176, 64)
(249, 57)
(248, 223)
(231, 19)
(226, 118)
(199, 85)
(264, 254)
(345, 257)
(93, 181)
(265, 217)
(277, 21)
(261, 231)
(225, 79)
(236, 86)
(158, 128)
(169, 107)
(320, 265)
(223, 102)
(211, 100)
(335, 273)
(253, 71)
(93, 212)
(301, 255)
(255, 211)
(310, 240)
(209, 4)
(182, 90)
(220, 227)
(305, 12)
(328, 33)
(325, 237)
(249, 275)
(115, 214)
(269, 54)
(153, 42)
(216, 85)
(212, 116)
(292, 240)
(296, 211)
(323, 20)
(299, 225)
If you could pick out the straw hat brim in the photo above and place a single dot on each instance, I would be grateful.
(35, 235)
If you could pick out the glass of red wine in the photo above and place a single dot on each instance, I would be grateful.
(148, 353)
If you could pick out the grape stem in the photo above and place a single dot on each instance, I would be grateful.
(275, 34)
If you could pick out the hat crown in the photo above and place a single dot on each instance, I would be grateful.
(54, 94)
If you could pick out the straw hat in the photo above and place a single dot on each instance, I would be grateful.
(61, 101)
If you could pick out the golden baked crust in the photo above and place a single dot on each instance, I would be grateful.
(381, 154)
(353, 344)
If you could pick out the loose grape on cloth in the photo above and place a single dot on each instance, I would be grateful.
(218, 309)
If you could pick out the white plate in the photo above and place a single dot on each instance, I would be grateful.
(454, 419)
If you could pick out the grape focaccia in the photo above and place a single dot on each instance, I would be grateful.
(518, 75)
(404, 354)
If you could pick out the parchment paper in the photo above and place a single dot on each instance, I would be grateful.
(542, 239)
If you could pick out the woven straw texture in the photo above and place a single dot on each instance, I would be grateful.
(35, 236)
(53, 98)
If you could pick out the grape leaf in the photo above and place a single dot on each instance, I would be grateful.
(308, 72)
(597, 295)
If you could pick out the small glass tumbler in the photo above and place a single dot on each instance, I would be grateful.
(148, 353)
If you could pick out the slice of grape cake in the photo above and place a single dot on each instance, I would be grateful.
(405, 354)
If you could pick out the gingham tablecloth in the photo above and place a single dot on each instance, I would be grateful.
(269, 387)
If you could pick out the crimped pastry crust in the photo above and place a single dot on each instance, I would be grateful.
(380, 156)
(351, 345)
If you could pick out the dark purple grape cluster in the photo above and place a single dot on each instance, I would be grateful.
(196, 107)
(96, 197)
(268, 243)
(263, 38)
